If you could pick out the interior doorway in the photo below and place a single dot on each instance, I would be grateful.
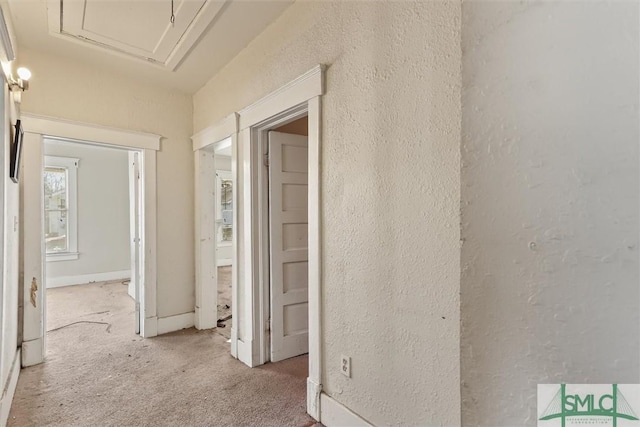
(288, 236)
(145, 145)
(92, 229)
(224, 229)
(251, 293)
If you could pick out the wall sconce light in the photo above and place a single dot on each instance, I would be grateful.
(19, 85)
(22, 82)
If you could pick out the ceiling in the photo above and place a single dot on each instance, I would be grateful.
(136, 37)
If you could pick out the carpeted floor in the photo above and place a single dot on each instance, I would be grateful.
(104, 375)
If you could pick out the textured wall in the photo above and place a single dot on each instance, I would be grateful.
(390, 191)
(103, 210)
(550, 202)
(75, 91)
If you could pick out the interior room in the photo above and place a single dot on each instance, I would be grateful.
(348, 213)
(88, 243)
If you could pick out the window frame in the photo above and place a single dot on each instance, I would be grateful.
(70, 164)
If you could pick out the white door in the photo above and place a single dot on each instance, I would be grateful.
(288, 244)
(135, 229)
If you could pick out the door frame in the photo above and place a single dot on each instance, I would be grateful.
(204, 143)
(300, 97)
(258, 239)
(33, 253)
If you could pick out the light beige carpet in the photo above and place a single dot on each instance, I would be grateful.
(105, 375)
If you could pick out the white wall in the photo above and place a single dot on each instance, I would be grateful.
(72, 90)
(103, 211)
(390, 135)
(550, 200)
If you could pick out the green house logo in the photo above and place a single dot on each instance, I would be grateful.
(580, 404)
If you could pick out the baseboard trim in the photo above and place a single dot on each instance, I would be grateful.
(149, 327)
(32, 352)
(244, 352)
(10, 389)
(205, 319)
(313, 398)
(81, 279)
(175, 323)
(234, 342)
(333, 413)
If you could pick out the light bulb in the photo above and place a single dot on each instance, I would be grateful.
(24, 73)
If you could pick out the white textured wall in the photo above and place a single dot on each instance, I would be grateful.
(390, 192)
(103, 210)
(550, 202)
(72, 90)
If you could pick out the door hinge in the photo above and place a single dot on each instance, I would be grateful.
(266, 160)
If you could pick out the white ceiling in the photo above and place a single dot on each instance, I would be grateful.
(136, 37)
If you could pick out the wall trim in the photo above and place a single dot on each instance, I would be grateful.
(150, 325)
(216, 132)
(32, 352)
(175, 323)
(314, 390)
(10, 389)
(297, 91)
(333, 413)
(61, 128)
(82, 279)
(243, 350)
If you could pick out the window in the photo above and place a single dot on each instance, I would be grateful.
(60, 208)
(224, 199)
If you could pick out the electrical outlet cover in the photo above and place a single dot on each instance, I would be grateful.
(345, 366)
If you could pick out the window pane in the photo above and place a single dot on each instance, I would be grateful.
(55, 188)
(55, 229)
(226, 195)
(227, 233)
(226, 201)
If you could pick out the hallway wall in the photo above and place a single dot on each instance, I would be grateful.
(72, 90)
(550, 202)
(390, 192)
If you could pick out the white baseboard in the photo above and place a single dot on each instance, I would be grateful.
(244, 352)
(32, 352)
(81, 279)
(175, 323)
(223, 262)
(234, 342)
(149, 327)
(313, 398)
(333, 413)
(205, 319)
(9, 390)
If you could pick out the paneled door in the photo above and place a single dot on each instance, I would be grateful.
(288, 244)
